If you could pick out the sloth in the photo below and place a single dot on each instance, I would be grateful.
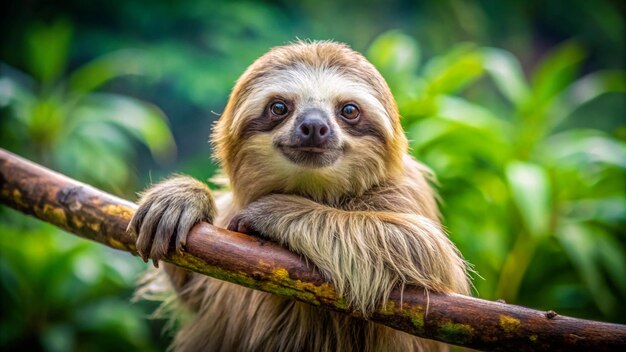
(316, 160)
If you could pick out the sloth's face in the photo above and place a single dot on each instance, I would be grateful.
(315, 119)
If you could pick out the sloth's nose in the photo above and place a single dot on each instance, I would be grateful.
(313, 131)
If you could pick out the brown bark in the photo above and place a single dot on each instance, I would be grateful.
(262, 265)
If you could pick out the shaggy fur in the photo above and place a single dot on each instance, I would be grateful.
(367, 218)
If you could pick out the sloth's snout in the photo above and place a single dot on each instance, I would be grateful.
(312, 142)
(313, 129)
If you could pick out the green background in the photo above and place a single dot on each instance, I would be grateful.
(518, 106)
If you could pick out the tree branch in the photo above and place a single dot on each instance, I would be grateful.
(262, 265)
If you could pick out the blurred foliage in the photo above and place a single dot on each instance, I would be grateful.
(66, 122)
(61, 293)
(517, 105)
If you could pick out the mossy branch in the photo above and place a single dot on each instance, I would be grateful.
(251, 262)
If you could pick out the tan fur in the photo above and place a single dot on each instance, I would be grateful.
(369, 221)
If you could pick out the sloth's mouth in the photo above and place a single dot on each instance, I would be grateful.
(312, 157)
(309, 149)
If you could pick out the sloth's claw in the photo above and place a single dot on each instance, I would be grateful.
(166, 214)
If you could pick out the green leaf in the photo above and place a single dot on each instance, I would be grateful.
(48, 48)
(530, 188)
(556, 71)
(144, 121)
(58, 338)
(612, 255)
(470, 114)
(581, 148)
(14, 88)
(395, 54)
(99, 71)
(506, 72)
(581, 244)
(16, 94)
(454, 70)
(461, 125)
(114, 316)
(611, 210)
(428, 130)
(585, 90)
(76, 158)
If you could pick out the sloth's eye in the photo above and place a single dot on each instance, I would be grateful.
(279, 108)
(350, 112)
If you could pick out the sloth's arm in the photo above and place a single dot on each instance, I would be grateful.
(364, 253)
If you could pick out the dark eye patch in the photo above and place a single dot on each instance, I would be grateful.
(364, 126)
(268, 120)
